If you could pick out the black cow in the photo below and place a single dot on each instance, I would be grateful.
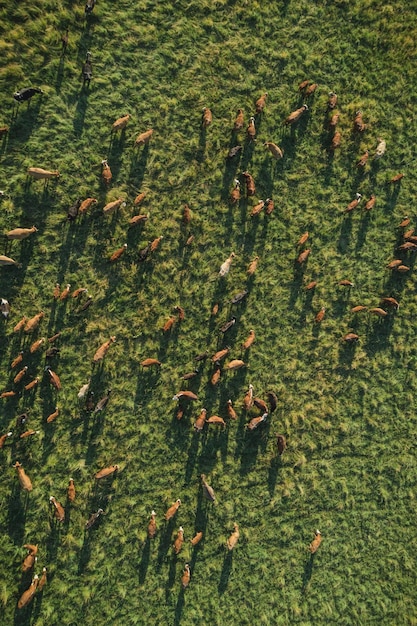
(89, 6)
(87, 70)
(26, 94)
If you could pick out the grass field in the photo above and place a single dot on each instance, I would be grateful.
(347, 411)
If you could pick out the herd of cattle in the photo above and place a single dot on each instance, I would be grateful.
(22, 383)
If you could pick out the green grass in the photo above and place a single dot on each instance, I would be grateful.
(348, 413)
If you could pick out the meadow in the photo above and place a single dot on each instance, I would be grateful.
(347, 411)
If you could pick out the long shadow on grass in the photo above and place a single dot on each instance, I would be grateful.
(164, 542)
(144, 562)
(16, 514)
(138, 166)
(308, 572)
(179, 607)
(274, 468)
(225, 573)
(22, 123)
(80, 111)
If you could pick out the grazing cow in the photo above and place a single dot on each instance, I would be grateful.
(269, 206)
(409, 234)
(216, 420)
(186, 575)
(352, 205)
(52, 417)
(197, 538)
(65, 292)
(235, 364)
(89, 6)
(311, 285)
(83, 390)
(36, 345)
(303, 256)
(315, 544)
(3, 132)
(111, 207)
(275, 150)
(249, 340)
(141, 196)
(103, 402)
(93, 519)
(185, 394)
(138, 219)
(17, 360)
(378, 311)
(350, 338)
(358, 308)
(143, 253)
(201, 357)
(33, 383)
(87, 69)
(216, 375)
(208, 491)
(380, 149)
(255, 421)
(303, 85)
(103, 349)
(26, 94)
(152, 525)
(396, 178)
(238, 123)
(186, 214)
(220, 354)
(4, 307)
(345, 283)
(118, 253)
(20, 325)
(234, 537)
(235, 193)
(252, 266)
(250, 183)
(144, 138)
(56, 292)
(27, 596)
(190, 375)
(408, 246)
(257, 208)
(403, 269)
(33, 322)
(215, 309)
(225, 267)
(71, 490)
(392, 302)
(179, 540)
(78, 292)
(223, 329)
(5, 260)
(29, 433)
(310, 90)
(7, 394)
(248, 399)
(106, 471)
(281, 444)
(19, 376)
(155, 243)
(42, 580)
(4, 437)
(40, 174)
(332, 101)
(251, 130)
(54, 337)
(303, 238)
(106, 172)
(53, 378)
(73, 210)
(295, 115)
(150, 362)
(336, 141)
(181, 313)
(364, 158)
(169, 324)
(261, 102)
(21, 233)
(370, 203)
(358, 123)
(200, 421)
(207, 117)
(230, 410)
(239, 296)
(334, 120)
(59, 510)
(273, 401)
(172, 510)
(120, 123)
(86, 204)
(260, 404)
(320, 315)
(24, 479)
(30, 559)
(234, 151)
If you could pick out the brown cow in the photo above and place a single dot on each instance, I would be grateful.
(27, 596)
(281, 444)
(230, 410)
(144, 138)
(295, 115)
(53, 378)
(120, 123)
(103, 349)
(106, 172)
(118, 253)
(251, 129)
(235, 193)
(275, 150)
(186, 575)
(71, 490)
(59, 509)
(33, 322)
(207, 117)
(21, 233)
(250, 183)
(315, 544)
(248, 399)
(52, 417)
(197, 538)
(238, 123)
(216, 420)
(179, 540)
(40, 174)
(200, 421)
(152, 525)
(234, 537)
(31, 558)
(261, 102)
(172, 509)
(255, 421)
(208, 490)
(24, 479)
(4, 437)
(106, 471)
